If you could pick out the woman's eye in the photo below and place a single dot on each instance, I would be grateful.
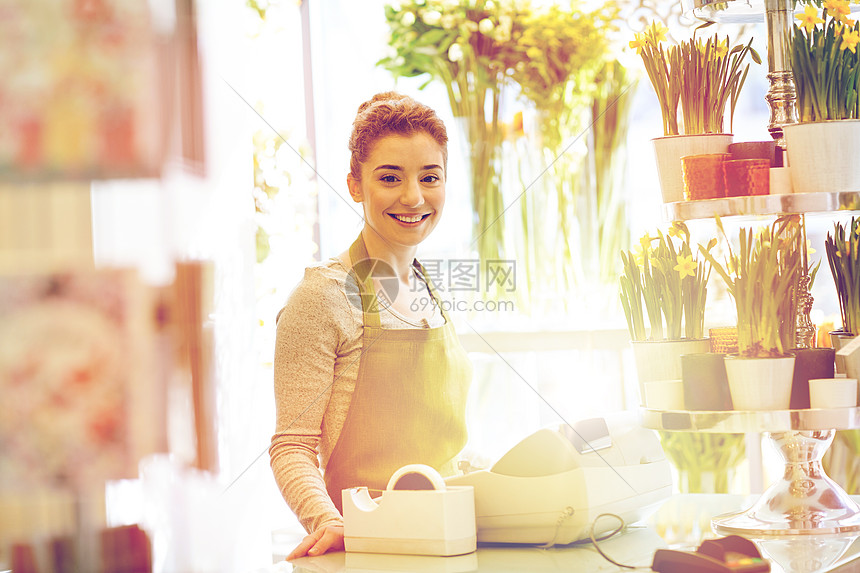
(389, 178)
(430, 178)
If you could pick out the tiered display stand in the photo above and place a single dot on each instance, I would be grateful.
(804, 501)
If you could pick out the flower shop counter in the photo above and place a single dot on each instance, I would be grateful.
(682, 522)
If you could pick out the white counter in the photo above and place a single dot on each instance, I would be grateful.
(682, 522)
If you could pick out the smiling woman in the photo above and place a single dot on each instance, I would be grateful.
(367, 378)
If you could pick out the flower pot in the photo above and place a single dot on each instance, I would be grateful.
(661, 359)
(703, 176)
(724, 339)
(760, 383)
(838, 339)
(822, 155)
(671, 148)
(665, 394)
(756, 150)
(833, 392)
(809, 363)
(705, 383)
(745, 177)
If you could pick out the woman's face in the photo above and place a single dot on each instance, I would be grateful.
(402, 188)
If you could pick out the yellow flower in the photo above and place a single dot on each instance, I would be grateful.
(656, 32)
(638, 43)
(645, 242)
(722, 47)
(638, 255)
(809, 18)
(686, 266)
(838, 9)
(679, 230)
(809, 249)
(849, 40)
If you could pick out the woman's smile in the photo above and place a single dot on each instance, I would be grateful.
(410, 220)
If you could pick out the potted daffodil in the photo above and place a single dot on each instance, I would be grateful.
(843, 255)
(667, 283)
(761, 277)
(704, 77)
(825, 60)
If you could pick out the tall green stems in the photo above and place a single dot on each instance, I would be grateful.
(671, 284)
(704, 76)
(762, 277)
(825, 61)
(843, 254)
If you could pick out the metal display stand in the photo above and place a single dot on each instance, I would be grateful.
(804, 501)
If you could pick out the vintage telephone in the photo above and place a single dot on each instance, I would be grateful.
(551, 486)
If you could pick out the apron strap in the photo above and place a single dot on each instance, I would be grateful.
(364, 280)
(432, 288)
(367, 293)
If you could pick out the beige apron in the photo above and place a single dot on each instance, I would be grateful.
(409, 402)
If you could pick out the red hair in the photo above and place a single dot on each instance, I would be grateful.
(391, 113)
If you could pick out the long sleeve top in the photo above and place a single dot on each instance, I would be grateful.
(317, 356)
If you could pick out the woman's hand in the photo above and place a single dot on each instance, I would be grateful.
(326, 538)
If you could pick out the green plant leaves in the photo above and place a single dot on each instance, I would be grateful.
(826, 76)
(762, 277)
(673, 301)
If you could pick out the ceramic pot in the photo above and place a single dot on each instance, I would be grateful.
(671, 148)
(833, 393)
(705, 384)
(703, 176)
(661, 360)
(756, 150)
(809, 363)
(724, 339)
(744, 177)
(665, 394)
(838, 339)
(822, 156)
(760, 383)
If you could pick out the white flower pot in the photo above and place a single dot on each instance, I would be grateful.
(823, 156)
(760, 383)
(661, 360)
(671, 148)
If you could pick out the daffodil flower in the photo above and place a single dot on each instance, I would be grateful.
(638, 43)
(639, 255)
(850, 39)
(838, 9)
(645, 242)
(679, 230)
(809, 249)
(722, 47)
(809, 18)
(686, 266)
(657, 32)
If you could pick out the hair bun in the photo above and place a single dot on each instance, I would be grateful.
(382, 96)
